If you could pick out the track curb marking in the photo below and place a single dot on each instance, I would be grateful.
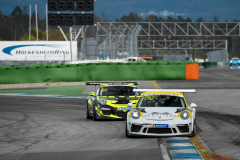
(205, 154)
(182, 148)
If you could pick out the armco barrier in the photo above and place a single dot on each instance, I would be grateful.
(157, 70)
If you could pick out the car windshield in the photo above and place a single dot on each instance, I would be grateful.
(161, 101)
(118, 91)
(235, 58)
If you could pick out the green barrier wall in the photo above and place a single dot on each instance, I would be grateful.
(157, 70)
(208, 64)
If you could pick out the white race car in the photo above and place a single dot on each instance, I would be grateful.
(161, 113)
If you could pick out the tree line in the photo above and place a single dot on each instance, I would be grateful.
(15, 26)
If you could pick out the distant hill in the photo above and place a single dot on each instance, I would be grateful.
(222, 9)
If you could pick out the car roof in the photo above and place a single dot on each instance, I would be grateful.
(132, 57)
(176, 93)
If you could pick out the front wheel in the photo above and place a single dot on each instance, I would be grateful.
(87, 113)
(127, 132)
(94, 114)
(193, 133)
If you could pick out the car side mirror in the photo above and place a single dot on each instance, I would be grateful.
(130, 105)
(193, 105)
(134, 106)
(92, 94)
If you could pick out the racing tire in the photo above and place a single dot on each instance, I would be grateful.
(193, 133)
(127, 132)
(87, 113)
(94, 115)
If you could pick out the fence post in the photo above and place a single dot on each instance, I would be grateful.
(45, 59)
(64, 57)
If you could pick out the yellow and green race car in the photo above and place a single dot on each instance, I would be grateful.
(110, 100)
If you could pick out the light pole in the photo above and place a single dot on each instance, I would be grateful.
(36, 21)
(195, 49)
(207, 44)
(30, 22)
(71, 28)
(169, 37)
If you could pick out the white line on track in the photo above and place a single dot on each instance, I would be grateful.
(163, 148)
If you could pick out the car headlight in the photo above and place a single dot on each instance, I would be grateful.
(185, 115)
(135, 114)
(102, 101)
(230, 61)
(98, 106)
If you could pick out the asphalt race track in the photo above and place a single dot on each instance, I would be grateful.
(35, 128)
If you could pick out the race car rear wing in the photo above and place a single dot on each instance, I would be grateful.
(166, 90)
(112, 83)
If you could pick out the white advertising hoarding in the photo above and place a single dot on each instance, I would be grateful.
(37, 50)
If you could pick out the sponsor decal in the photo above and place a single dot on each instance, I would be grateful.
(160, 115)
(128, 109)
(22, 50)
(160, 125)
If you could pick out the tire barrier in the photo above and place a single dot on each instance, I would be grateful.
(157, 70)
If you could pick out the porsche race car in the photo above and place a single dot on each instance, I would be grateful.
(235, 62)
(161, 113)
(110, 100)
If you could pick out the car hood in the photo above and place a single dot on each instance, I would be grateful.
(120, 101)
(234, 61)
(161, 113)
